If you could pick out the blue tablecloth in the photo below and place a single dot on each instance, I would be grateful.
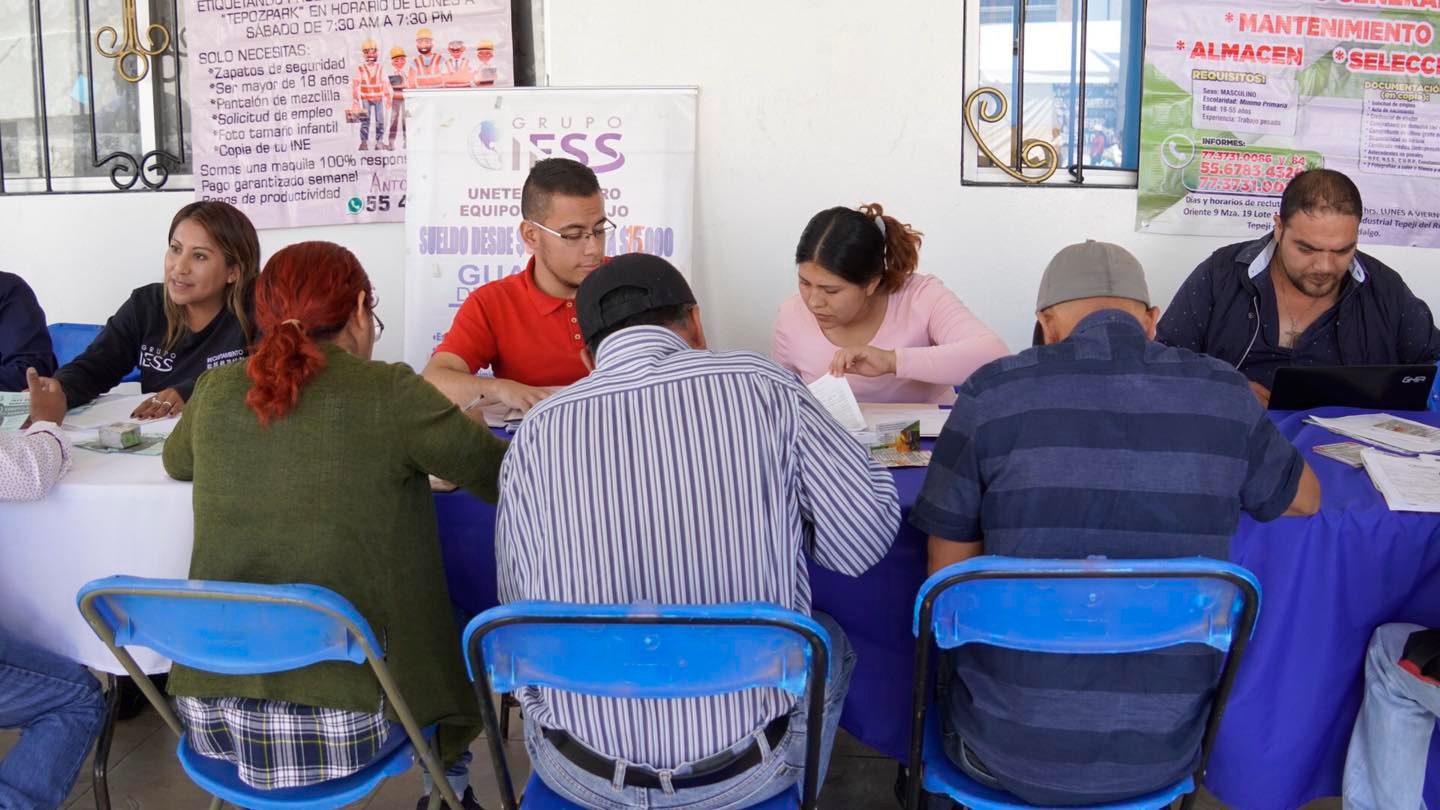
(1328, 581)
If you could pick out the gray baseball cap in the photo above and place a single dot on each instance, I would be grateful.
(1092, 269)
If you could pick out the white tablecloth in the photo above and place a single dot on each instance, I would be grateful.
(112, 514)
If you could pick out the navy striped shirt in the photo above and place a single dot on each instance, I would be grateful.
(672, 475)
(1103, 444)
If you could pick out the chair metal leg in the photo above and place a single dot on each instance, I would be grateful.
(506, 704)
(216, 803)
(100, 768)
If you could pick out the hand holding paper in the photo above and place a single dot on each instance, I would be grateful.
(836, 397)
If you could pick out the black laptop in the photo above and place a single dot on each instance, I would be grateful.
(1385, 388)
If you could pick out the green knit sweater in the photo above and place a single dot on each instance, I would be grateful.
(335, 494)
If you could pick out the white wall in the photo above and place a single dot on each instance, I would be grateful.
(84, 253)
(804, 104)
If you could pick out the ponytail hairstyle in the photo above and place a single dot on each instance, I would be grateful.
(234, 234)
(305, 296)
(861, 245)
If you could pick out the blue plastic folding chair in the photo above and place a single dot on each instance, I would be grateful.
(1093, 606)
(235, 628)
(68, 340)
(647, 651)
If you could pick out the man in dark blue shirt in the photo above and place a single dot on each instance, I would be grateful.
(1302, 295)
(24, 338)
(1100, 442)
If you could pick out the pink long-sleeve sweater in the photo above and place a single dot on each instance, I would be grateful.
(937, 344)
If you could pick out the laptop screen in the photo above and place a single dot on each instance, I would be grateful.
(1390, 388)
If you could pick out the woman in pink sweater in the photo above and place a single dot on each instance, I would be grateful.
(863, 311)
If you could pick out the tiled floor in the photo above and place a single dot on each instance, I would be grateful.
(144, 775)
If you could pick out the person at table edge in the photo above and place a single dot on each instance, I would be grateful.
(1386, 761)
(310, 464)
(524, 327)
(1302, 294)
(1098, 442)
(198, 318)
(863, 312)
(55, 702)
(24, 338)
(723, 505)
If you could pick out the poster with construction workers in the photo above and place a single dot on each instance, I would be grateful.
(462, 227)
(299, 108)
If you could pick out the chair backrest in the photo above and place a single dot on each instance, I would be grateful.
(239, 628)
(645, 651)
(70, 339)
(648, 651)
(229, 628)
(1088, 606)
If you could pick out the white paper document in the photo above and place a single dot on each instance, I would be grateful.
(1384, 430)
(836, 397)
(1409, 484)
(931, 417)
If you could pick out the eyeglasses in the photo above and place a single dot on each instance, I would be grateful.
(375, 315)
(599, 234)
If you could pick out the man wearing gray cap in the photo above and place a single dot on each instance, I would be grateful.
(673, 474)
(1098, 442)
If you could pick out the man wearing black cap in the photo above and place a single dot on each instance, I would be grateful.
(677, 475)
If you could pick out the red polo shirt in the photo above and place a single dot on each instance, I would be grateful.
(519, 331)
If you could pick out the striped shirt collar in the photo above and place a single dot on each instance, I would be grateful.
(636, 343)
(1261, 261)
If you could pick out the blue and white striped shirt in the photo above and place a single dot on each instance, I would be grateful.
(678, 476)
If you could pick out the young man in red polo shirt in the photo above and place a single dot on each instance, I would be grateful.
(524, 327)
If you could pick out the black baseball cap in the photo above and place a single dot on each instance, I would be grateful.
(627, 286)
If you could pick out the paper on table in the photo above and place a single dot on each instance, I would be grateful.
(836, 397)
(110, 409)
(151, 444)
(931, 417)
(14, 409)
(1385, 430)
(499, 415)
(1408, 484)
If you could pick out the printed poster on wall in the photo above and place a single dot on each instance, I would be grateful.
(1240, 96)
(298, 109)
(470, 154)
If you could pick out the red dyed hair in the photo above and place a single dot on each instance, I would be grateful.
(306, 294)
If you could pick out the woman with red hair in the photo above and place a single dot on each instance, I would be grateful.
(310, 465)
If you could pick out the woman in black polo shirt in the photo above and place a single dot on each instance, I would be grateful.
(199, 317)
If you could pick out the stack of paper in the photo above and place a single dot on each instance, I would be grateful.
(931, 417)
(1384, 430)
(1408, 484)
(14, 409)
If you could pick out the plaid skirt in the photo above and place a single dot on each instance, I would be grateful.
(276, 744)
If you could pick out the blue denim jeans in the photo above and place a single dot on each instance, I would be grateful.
(781, 767)
(1385, 767)
(58, 707)
(376, 108)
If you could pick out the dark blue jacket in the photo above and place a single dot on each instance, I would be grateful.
(1216, 312)
(24, 339)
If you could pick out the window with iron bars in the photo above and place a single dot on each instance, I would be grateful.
(1052, 92)
(95, 99)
